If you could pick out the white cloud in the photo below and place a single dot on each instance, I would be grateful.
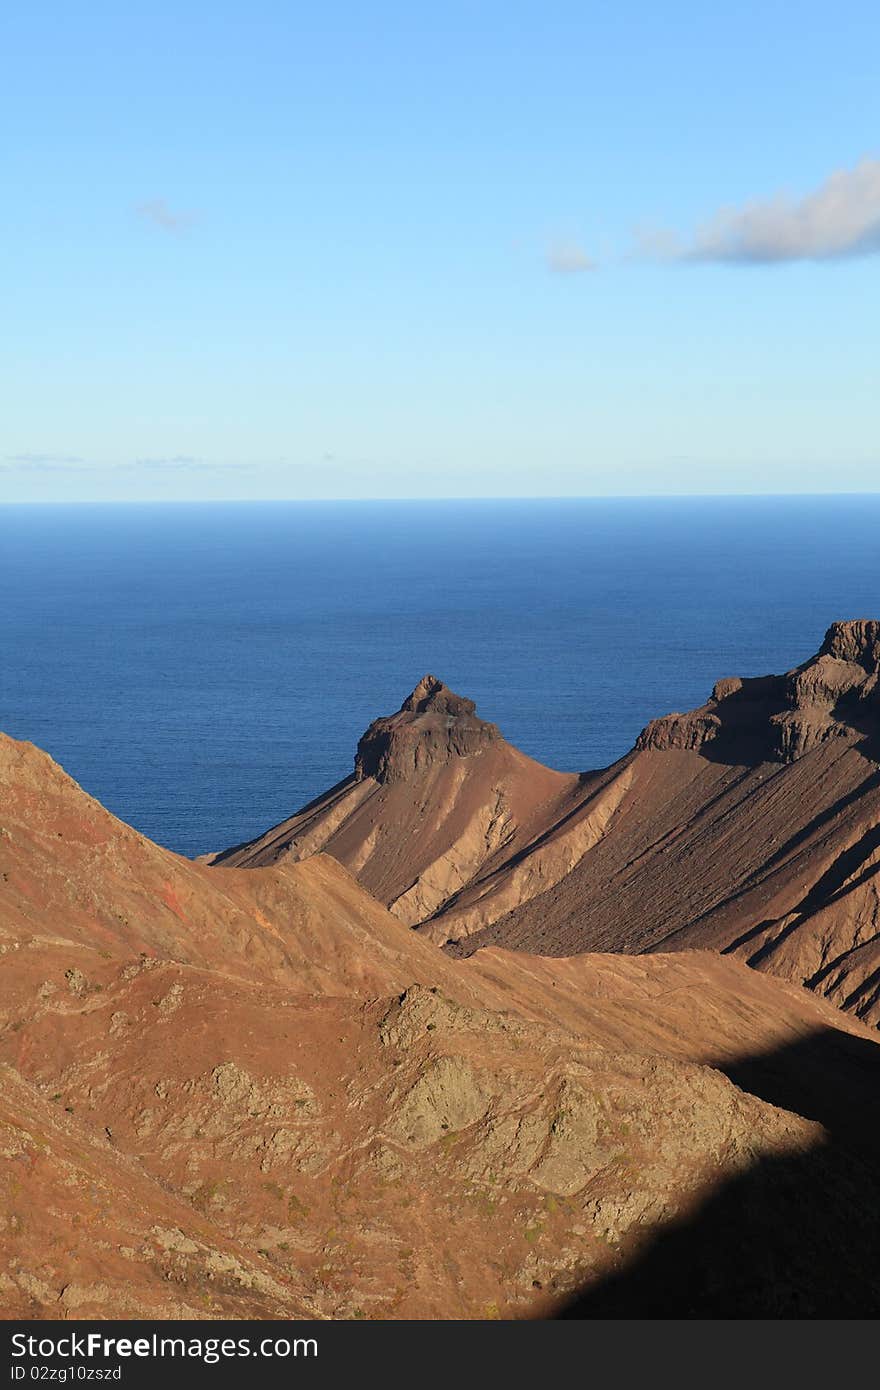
(840, 218)
(157, 211)
(567, 258)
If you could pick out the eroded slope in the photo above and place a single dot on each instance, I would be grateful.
(315, 1111)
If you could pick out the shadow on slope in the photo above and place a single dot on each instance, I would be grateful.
(769, 719)
(797, 1235)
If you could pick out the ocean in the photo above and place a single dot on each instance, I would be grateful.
(204, 670)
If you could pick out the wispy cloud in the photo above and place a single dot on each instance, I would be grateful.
(183, 463)
(44, 463)
(840, 218)
(568, 258)
(69, 463)
(157, 211)
(170, 461)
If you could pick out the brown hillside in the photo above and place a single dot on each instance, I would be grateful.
(236, 1092)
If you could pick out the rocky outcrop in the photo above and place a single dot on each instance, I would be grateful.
(432, 726)
(856, 642)
(437, 803)
(833, 695)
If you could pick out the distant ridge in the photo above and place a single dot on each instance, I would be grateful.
(748, 826)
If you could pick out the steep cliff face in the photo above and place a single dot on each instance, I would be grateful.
(833, 695)
(432, 727)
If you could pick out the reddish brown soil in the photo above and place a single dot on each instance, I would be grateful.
(233, 1092)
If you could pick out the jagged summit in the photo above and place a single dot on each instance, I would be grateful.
(855, 640)
(433, 695)
(833, 694)
(432, 726)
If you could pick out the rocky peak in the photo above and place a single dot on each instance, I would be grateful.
(431, 696)
(432, 726)
(834, 694)
(857, 640)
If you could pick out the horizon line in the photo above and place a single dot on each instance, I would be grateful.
(490, 497)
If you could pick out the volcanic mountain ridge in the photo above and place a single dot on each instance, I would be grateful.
(748, 826)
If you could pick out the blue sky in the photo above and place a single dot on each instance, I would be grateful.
(476, 249)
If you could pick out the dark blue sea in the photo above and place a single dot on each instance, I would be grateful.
(204, 670)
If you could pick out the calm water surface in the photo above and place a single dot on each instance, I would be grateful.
(205, 670)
